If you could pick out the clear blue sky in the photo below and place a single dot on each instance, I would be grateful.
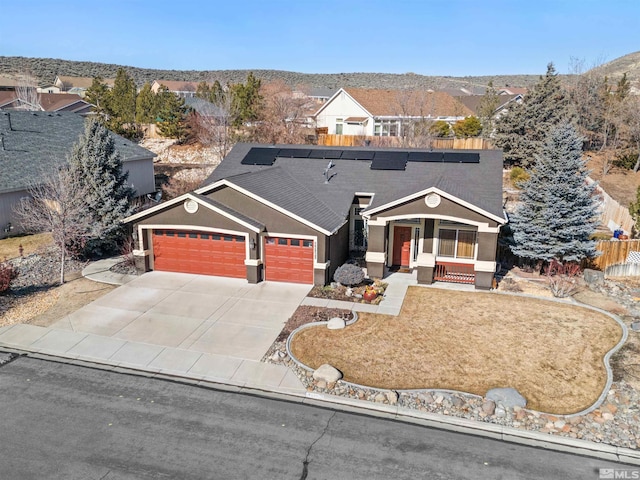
(429, 37)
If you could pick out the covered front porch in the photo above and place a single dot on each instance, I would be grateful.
(438, 249)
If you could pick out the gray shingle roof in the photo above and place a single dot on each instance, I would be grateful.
(31, 141)
(298, 184)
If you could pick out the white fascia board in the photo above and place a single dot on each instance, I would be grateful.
(442, 193)
(278, 208)
(157, 208)
(324, 105)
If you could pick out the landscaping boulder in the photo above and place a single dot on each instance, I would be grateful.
(327, 373)
(336, 323)
(488, 407)
(509, 397)
(593, 277)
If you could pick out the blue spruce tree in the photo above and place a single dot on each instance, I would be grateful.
(558, 213)
(98, 166)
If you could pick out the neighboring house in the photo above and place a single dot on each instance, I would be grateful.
(320, 95)
(355, 111)
(204, 108)
(472, 102)
(512, 91)
(181, 88)
(49, 89)
(31, 142)
(294, 214)
(78, 85)
(8, 83)
(49, 102)
(464, 91)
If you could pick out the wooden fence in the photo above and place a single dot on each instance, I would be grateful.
(438, 143)
(612, 214)
(614, 252)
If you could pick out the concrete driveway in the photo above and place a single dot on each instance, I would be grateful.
(213, 315)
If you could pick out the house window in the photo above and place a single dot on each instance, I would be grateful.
(457, 243)
(339, 126)
(386, 128)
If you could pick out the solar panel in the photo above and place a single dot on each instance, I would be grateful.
(294, 152)
(357, 155)
(389, 161)
(461, 157)
(260, 156)
(425, 157)
(325, 154)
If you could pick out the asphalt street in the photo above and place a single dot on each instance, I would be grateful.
(60, 421)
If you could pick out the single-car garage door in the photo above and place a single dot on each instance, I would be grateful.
(204, 253)
(288, 259)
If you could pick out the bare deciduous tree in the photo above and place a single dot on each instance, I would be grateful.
(27, 93)
(58, 206)
(284, 114)
(214, 126)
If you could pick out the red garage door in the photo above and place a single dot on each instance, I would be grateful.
(205, 253)
(288, 260)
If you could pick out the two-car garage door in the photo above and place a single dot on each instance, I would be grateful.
(205, 253)
(210, 253)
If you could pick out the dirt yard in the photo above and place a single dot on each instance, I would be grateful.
(473, 341)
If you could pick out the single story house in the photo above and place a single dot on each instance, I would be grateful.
(181, 88)
(48, 102)
(295, 213)
(30, 142)
(78, 85)
(373, 112)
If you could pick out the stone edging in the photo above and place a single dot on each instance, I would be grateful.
(601, 398)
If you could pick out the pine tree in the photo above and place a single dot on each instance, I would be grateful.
(122, 105)
(96, 163)
(521, 132)
(247, 100)
(146, 105)
(558, 210)
(489, 102)
(469, 127)
(172, 114)
(98, 95)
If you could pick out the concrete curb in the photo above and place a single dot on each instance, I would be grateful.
(391, 412)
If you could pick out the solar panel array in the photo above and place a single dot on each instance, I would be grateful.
(380, 159)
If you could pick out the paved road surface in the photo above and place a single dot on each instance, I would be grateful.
(68, 422)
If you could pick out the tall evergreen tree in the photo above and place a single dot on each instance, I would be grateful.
(122, 104)
(98, 166)
(521, 132)
(247, 100)
(98, 95)
(172, 113)
(558, 210)
(146, 105)
(489, 102)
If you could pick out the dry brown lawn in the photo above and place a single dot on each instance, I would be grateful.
(552, 353)
(10, 247)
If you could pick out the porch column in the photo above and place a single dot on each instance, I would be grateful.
(141, 257)
(485, 266)
(376, 256)
(253, 264)
(426, 260)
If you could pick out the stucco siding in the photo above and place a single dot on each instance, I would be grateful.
(7, 215)
(343, 106)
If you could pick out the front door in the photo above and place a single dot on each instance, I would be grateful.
(401, 246)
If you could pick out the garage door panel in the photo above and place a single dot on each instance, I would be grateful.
(288, 260)
(199, 252)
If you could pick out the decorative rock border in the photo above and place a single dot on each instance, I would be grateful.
(614, 418)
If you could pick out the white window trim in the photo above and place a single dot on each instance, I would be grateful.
(436, 242)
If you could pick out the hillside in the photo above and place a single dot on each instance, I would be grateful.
(629, 64)
(46, 69)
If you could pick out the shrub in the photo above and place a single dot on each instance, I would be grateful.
(349, 274)
(626, 159)
(518, 175)
(7, 273)
(562, 278)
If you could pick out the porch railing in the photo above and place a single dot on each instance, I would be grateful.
(454, 272)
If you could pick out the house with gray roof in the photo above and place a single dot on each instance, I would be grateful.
(295, 213)
(31, 143)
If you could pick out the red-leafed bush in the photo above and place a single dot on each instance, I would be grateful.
(7, 273)
(562, 278)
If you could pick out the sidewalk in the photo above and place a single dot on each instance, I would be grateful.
(254, 377)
